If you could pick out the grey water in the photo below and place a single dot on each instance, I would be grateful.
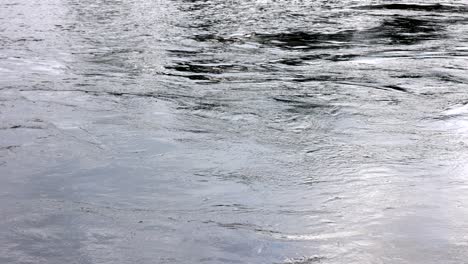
(211, 131)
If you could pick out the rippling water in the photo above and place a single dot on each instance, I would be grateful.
(171, 131)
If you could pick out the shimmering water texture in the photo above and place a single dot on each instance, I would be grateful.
(274, 132)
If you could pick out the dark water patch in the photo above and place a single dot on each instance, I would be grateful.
(313, 150)
(409, 76)
(393, 30)
(301, 40)
(28, 39)
(450, 78)
(203, 106)
(417, 7)
(439, 76)
(291, 61)
(396, 87)
(199, 78)
(214, 38)
(23, 127)
(204, 67)
(406, 30)
(9, 147)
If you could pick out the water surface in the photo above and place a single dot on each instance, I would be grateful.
(171, 131)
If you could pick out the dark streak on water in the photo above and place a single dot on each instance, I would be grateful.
(233, 132)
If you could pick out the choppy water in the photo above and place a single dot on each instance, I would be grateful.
(173, 131)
